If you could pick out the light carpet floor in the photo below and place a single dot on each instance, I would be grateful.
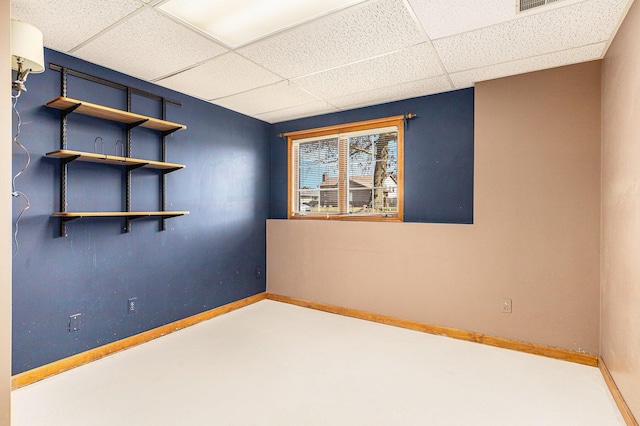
(276, 364)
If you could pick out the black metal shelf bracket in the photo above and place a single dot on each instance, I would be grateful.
(71, 109)
(69, 219)
(136, 124)
(168, 132)
(169, 216)
(70, 158)
(136, 166)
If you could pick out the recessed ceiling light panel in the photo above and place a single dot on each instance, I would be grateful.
(239, 22)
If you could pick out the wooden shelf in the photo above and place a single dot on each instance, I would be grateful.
(99, 111)
(131, 215)
(92, 157)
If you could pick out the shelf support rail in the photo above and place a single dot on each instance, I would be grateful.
(109, 83)
(127, 146)
(64, 166)
(163, 175)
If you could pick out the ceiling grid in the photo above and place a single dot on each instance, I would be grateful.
(350, 54)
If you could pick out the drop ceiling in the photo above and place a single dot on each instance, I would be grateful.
(362, 54)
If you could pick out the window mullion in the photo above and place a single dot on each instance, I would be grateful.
(343, 178)
(296, 176)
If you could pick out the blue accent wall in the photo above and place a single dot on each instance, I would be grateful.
(438, 155)
(236, 178)
(202, 260)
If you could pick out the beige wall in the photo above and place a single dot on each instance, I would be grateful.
(620, 347)
(5, 218)
(535, 238)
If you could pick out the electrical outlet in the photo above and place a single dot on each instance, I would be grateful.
(132, 305)
(74, 322)
(258, 272)
(506, 306)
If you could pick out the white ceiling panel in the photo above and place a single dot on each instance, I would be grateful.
(394, 93)
(300, 111)
(221, 76)
(239, 22)
(414, 63)
(267, 99)
(560, 29)
(67, 23)
(374, 28)
(551, 60)
(149, 46)
(443, 18)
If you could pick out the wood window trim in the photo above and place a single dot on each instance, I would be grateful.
(397, 121)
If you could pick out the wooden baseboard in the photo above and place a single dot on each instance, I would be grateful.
(39, 373)
(548, 351)
(627, 415)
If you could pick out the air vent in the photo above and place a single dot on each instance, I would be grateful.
(522, 5)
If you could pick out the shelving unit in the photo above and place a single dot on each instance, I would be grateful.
(131, 120)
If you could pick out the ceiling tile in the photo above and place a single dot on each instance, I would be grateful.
(149, 46)
(556, 59)
(411, 64)
(307, 110)
(394, 93)
(443, 18)
(266, 99)
(560, 29)
(221, 76)
(351, 35)
(67, 23)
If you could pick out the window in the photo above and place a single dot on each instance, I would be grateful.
(348, 172)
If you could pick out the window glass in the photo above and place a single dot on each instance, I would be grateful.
(347, 172)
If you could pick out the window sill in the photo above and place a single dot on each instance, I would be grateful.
(347, 217)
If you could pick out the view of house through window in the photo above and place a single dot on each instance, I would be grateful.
(351, 171)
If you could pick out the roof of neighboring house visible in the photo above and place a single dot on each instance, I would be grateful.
(361, 181)
(355, 181)
(394, 178)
